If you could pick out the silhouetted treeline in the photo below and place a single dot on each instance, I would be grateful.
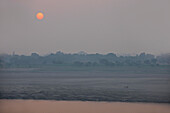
(82, 59)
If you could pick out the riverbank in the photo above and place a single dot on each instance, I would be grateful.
(48, 106)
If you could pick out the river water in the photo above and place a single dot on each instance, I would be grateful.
(48, 106)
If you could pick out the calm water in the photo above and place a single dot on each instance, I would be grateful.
(41, 106)
(86, 86)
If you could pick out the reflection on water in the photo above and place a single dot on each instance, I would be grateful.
(45, 106)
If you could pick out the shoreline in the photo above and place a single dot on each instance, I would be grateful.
(147, 102)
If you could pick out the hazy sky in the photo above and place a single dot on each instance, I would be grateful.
(119, 26)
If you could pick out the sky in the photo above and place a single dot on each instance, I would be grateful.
(93, 26)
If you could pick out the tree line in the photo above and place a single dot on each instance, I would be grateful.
(82, 59)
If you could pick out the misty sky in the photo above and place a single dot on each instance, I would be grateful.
(103, 26)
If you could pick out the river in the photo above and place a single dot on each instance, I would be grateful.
(49, 106)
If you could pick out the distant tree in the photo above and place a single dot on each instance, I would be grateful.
(88, 64)
(34, 55)
(106, 62)
(78, 63)
(57, 62)
(154, 61)
(142, 55)
(111, 54)
(1, 62)
(147, 62)
(118, 63)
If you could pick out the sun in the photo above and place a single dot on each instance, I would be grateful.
(40, 15)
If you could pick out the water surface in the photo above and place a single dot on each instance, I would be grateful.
(86, 86)
(46, 106)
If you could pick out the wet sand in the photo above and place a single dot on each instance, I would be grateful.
(45, 106)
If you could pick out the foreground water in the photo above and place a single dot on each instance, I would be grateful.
(85, 86)
(46, 106)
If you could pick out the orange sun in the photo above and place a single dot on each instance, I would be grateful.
(40, 16)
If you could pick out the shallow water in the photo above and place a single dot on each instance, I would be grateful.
(86, 86)
(46, 106)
